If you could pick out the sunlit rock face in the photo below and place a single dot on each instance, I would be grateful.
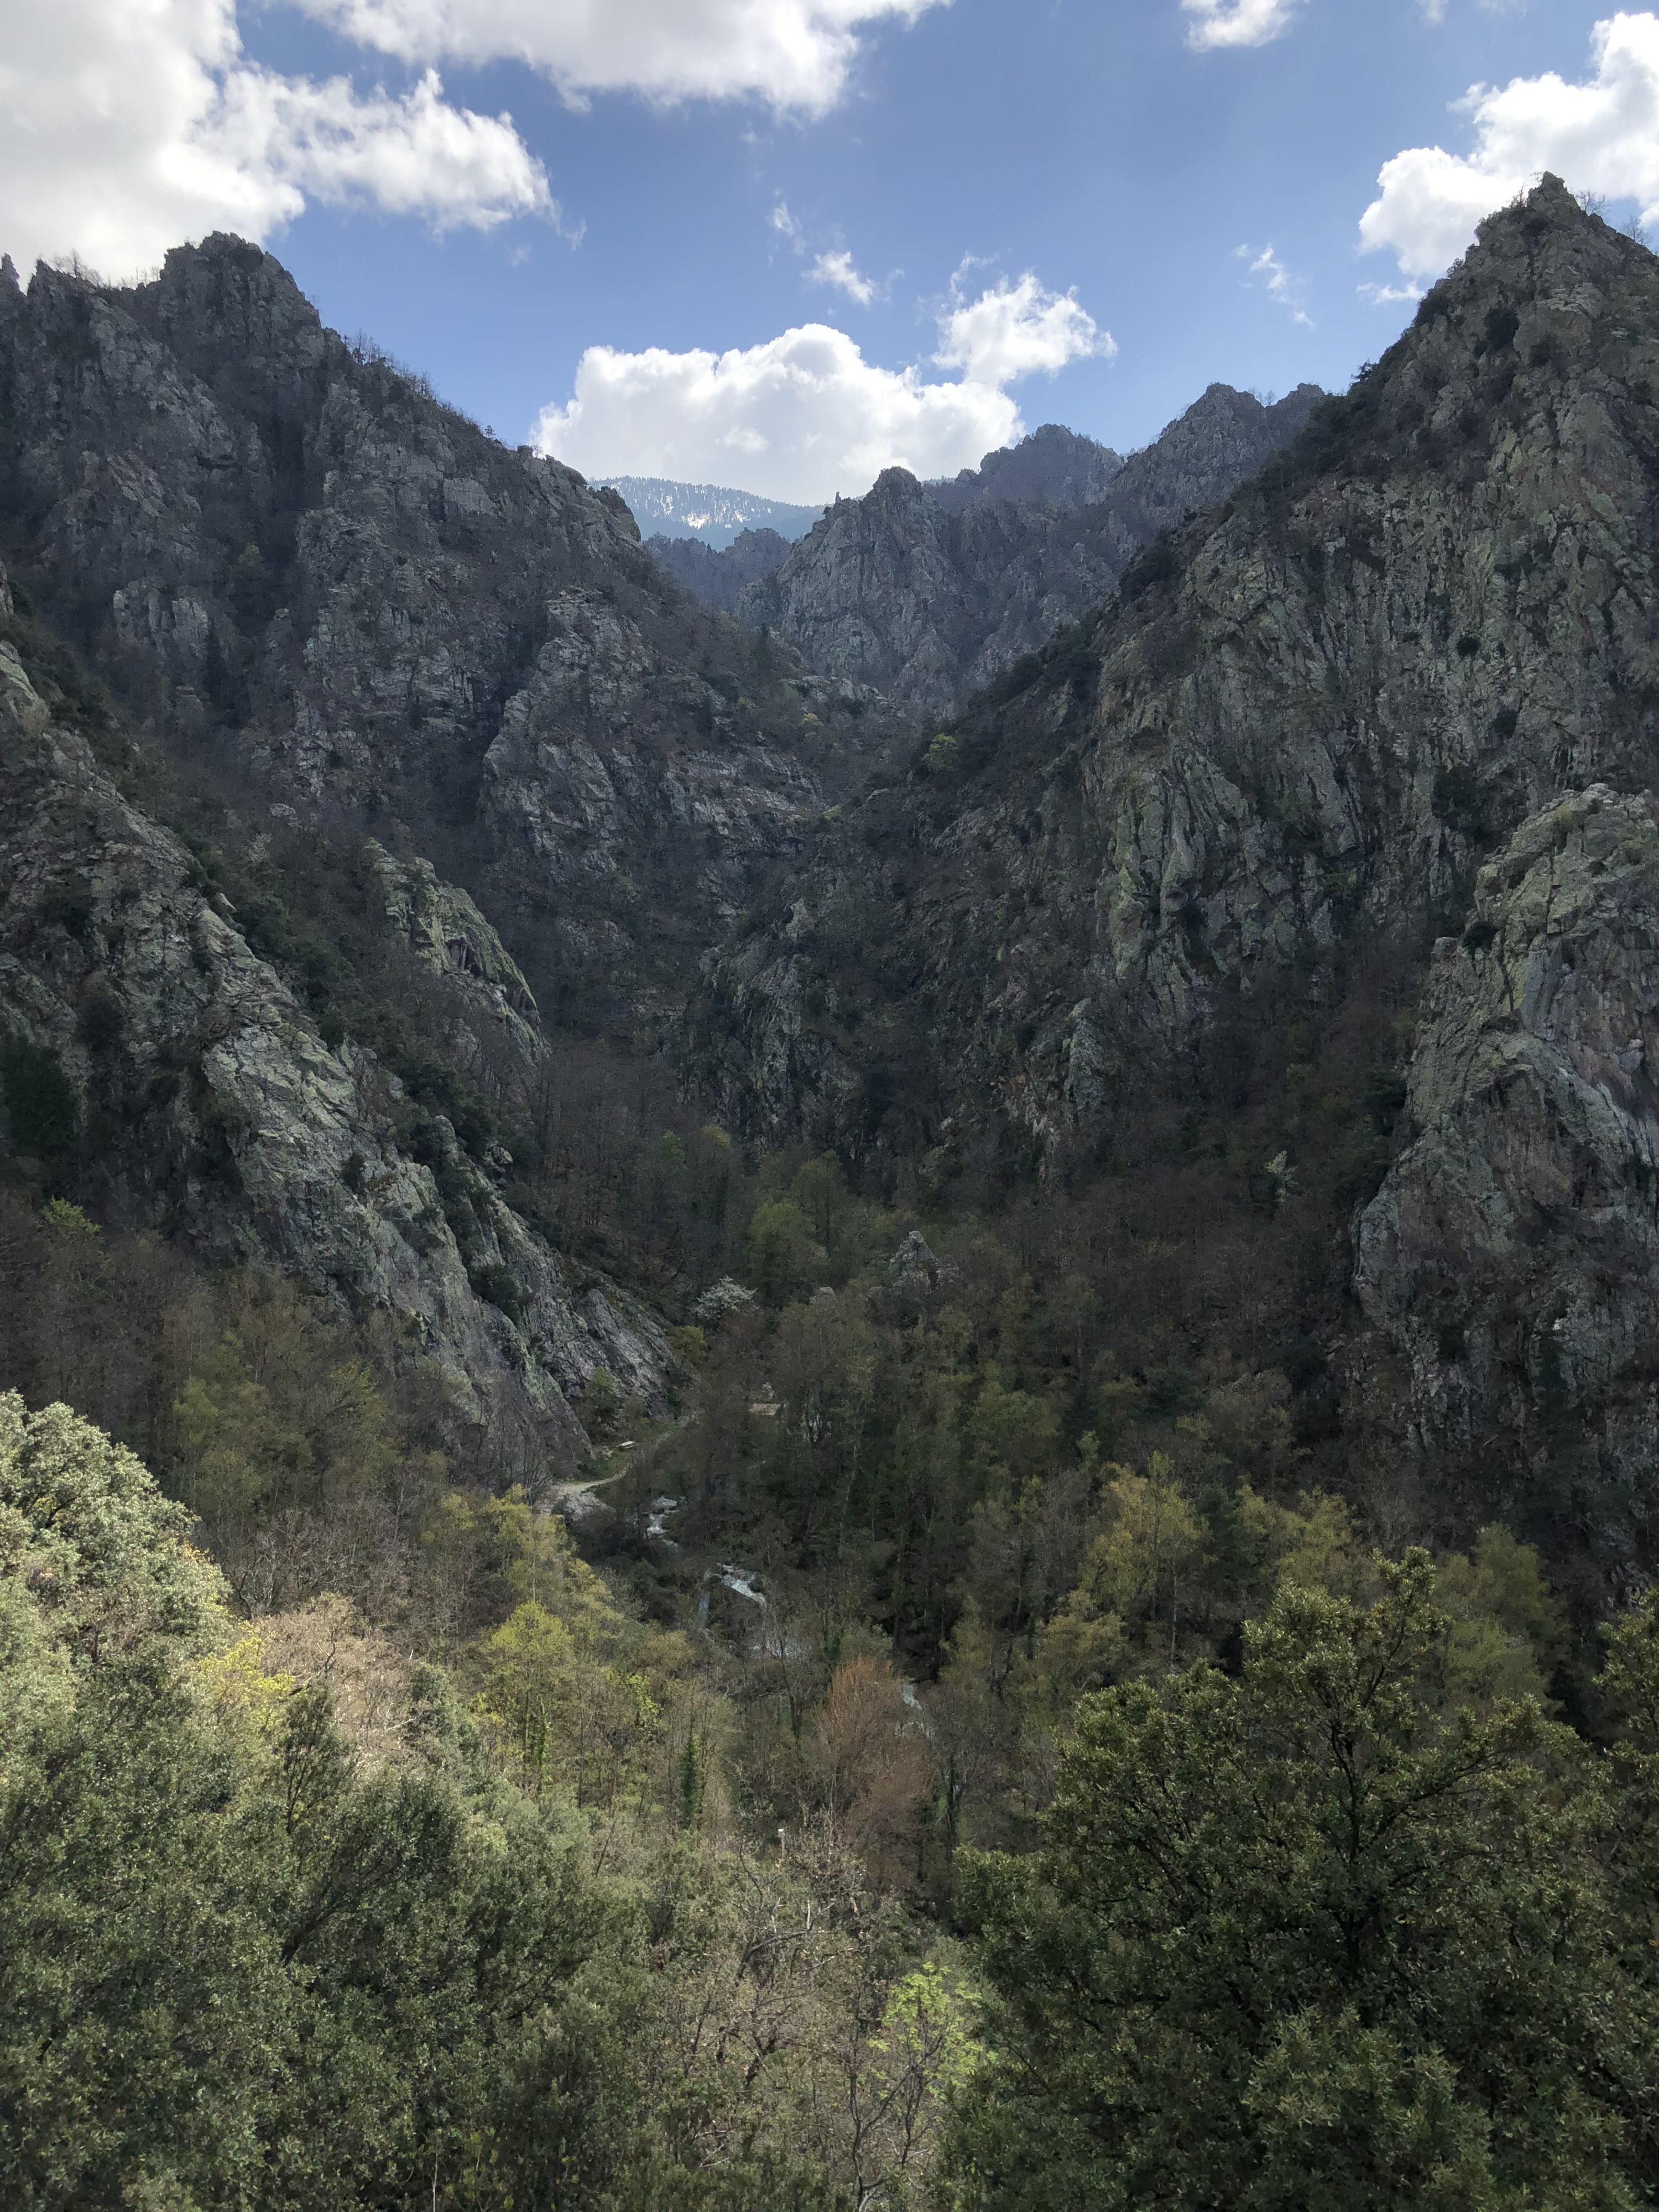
(1509, 1268)
(205, 1102)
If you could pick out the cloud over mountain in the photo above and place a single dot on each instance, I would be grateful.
(804, 416)
(1602, 136)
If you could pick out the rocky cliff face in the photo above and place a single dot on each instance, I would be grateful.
(291, 561)
(718, 578)
(928, 591)
(205, 1102)
(1290, 740)
(335, 607)
(1508, 1270)
(1052, 467)
(1300, 717)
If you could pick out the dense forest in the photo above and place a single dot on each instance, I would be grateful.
(645, 1566)
(945, 1765)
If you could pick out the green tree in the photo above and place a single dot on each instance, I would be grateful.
(781, 1257)
(1305, 1939)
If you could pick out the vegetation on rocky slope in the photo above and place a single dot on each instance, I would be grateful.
(790, 1487)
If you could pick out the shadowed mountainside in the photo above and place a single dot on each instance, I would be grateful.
(1142, 885)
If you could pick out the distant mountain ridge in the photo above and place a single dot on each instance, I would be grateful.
(924, 591)
(717, 579)
(716, 513)
(1052, 467)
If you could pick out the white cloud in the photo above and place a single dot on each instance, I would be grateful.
(785, 226)
(1390, 295)
(1601, 135)
(1287, 289)
(1237, 22)
(798, 418)
(126, 125)
(805, 414)
(837, 269)
(796, 54)
(1012, 330)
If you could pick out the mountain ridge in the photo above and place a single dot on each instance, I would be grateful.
(1259, 781)
(927, 594)
(714, 515)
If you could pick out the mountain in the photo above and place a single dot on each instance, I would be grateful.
(295, 565)
(1370, 745)
(715, 514)
(199, 1092)
(717, 579)
(1277, 933)
(1106, 1242)
(1051, 467)
(370, 677)
(927, 591)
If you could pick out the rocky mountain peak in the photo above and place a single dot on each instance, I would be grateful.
(1397, 688)
(1051, 467)
(297, 552)
(926, 591)
(225, 299)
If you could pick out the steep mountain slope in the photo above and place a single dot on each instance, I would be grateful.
(1051, 467)
(294, 565)
(1509, 1268)
(152, 1054)
(1271, 763)
(717, 579)
(929, 591)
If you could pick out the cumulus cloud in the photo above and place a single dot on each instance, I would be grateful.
(837, 269)
(1280, 284)
(126, 125)
(795, 54)
(1602, 136)
(1237, 22)
(1012, 330)
(801, 417)
(805, 415)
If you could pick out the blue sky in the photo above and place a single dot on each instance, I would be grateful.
(1103, 151)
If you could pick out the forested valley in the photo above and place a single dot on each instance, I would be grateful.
(870, 1497)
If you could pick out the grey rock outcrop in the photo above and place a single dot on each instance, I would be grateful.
(208, 1106)
(1508, 1269)
(292, 561)
(718, 578)
(1297, 725)
(928, 592)
(1052, 467)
